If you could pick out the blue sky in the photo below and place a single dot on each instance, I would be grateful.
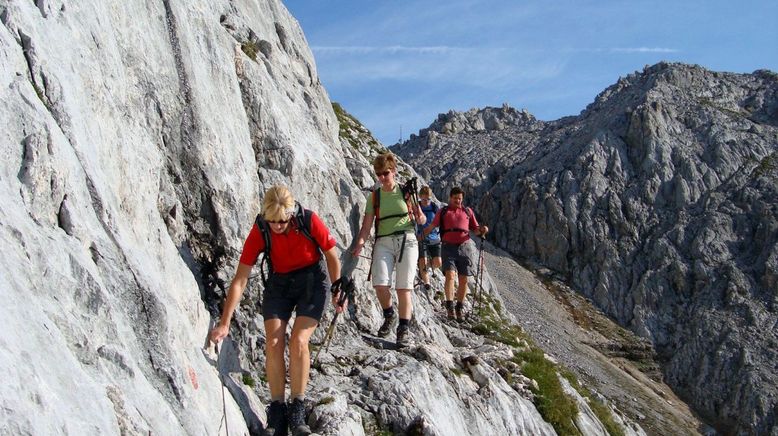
(395, 65)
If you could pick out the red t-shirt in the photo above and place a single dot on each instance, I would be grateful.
(455, 218)
(291, 250)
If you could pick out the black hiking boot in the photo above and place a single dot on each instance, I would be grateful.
(403, 339)
(460, 311)
(449, 309)
(386, 327)
(276, 419)
(297, 418)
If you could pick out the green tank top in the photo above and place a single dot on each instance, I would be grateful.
(391, 203)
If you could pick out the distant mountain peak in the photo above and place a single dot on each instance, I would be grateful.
(658, 202)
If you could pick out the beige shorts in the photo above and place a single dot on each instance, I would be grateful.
(385, 255)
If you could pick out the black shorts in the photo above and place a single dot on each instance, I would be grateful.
(429, 250)
(459, 257)
(303, 290)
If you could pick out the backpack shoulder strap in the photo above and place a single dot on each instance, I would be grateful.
(441, 224)
(303, 217)
(264, 229)
(376, 208)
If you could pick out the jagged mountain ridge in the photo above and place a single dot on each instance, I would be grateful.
(658, 202)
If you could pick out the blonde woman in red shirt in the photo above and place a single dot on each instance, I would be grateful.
(297, 282)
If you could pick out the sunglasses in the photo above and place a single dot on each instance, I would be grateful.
(383, 174)
(278, 221)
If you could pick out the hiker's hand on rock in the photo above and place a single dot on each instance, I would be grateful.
(219, 332)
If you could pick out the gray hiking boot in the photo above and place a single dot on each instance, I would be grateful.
(276, 419)
(297, 418)
(403, 336)
(386, 327)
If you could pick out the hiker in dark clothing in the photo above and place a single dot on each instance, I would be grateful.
(430, 245)
(455, 222)
(297, 282)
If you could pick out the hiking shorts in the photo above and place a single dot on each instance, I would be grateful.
(303, 290)
(429, 249)
(385, 256)
(459, 257)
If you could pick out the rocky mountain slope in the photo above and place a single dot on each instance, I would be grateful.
(658, 202)
(138, 139)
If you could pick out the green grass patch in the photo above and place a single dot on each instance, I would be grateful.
(355, 133)
(550, 399)
(556, 407)
(326, 400)
(250, 48)
(601, 411)
(491, 325)
(457, 372)
(248, 380)
(605, 416)
(766, 165)
(711, 104)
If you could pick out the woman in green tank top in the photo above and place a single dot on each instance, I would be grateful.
(395, 246)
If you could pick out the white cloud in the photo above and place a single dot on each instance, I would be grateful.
(472, 66)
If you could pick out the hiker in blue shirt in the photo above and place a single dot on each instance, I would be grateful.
(430, 245)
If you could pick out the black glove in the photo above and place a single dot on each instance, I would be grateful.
(345, 286)
(335, 286)
(344, 283)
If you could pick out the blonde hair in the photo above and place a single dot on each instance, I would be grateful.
(385, 161)
(425, 190)
(278, 204)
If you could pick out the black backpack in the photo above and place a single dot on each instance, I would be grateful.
(302, 218)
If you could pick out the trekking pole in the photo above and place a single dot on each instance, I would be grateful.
(346, 292)
(409, 193)
(224, 400)
(479, 279)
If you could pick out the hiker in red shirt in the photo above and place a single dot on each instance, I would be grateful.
(297, 282)
(455, 222)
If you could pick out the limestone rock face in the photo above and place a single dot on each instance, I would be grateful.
(659, 202)
(138, 139)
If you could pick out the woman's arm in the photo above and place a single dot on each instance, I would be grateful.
(333, 264)
(364, 233)
(234, 293)
(421, 219)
